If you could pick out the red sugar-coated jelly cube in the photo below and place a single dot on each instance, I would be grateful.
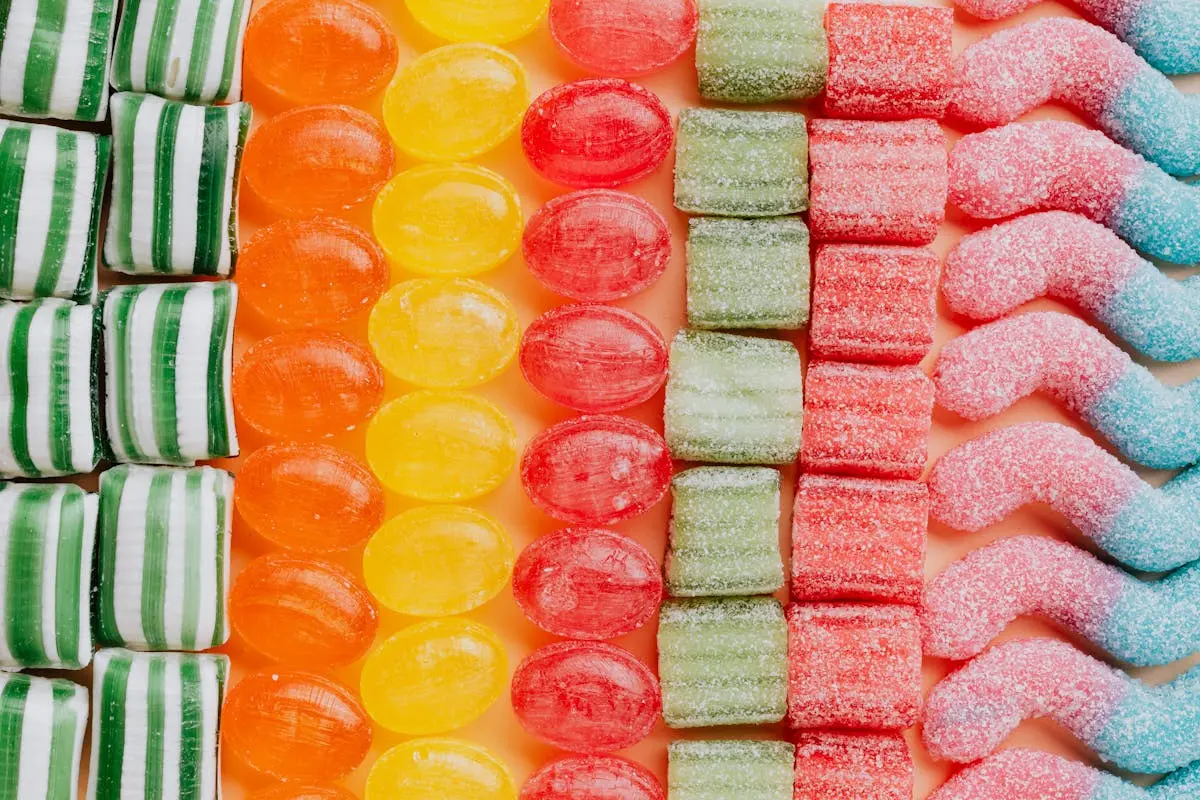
(866, 420)
(853, 666)
(877, 181)
(888, 61)
(873, 303)
(859, 539)
(592, 778)
(835, 765)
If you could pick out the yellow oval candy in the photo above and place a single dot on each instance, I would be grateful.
(495, 21)
(440, 769)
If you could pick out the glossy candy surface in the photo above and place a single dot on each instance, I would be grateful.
(592, 778)
(289, 791)
(623, 38)
(439, 769)
(478, 20)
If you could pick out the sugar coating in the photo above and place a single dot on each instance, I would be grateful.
(1160, 216)
(834, 765)
(730, 770)
(888, 61)
(877, 181)
(1034, 775)
(873, 303)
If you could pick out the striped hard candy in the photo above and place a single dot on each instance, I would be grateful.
(43, 721)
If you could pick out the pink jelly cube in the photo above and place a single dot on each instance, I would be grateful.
(859, 539)
(853, 665)
(873, 303)
(888, 61)
(877, 181)
(871, 421)
(834, 765)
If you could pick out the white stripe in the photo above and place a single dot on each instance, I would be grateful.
(140, 359)
(185, 187)
(118, 224)
(34, 775)
(8, 460)
(179, 54)
(33, 216)
(18, 34)
(172, 727)
(140, 49)
(81, 219)
(8, 500)
(78, 704)
(84, 453)
(91, 505)
(140, 226)
(191, 375)
(216, 55)
(206, 620)
(136, 718)
(37, 416)
(51, 539)
(176, 562)
(130, 556)
(210, 694)
(72, 59)
(235, 85)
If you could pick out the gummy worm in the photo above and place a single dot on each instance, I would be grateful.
(982, 481)
(1128, 723)
(1144, 623)
(1041, 166)
(1073, 259)
(1087, 68)
(988, 369)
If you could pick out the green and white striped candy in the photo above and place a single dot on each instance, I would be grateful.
(54, 57)
(42, 722)
(163, 559)
(181, 49)
(48, 394)
(47, 534)
(156, 725)
(168, 349)
(51, 188)
(174, 197)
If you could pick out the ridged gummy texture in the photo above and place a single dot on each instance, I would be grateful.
(730, 770)
(835, 765)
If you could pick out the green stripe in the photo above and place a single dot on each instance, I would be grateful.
(124, 125)
(123, 51)
(191, 579)
(202, 41)
(210, 192)
(235, 28)
(157, 530)
(18, 373)
(62, 744)
(125, 299)
(218, 424)
(191, 729)
(218, 638)
(86, 276)
(67, 576)
(164, 185)
(112, 487)
(164, 344)
(23, 584)
(156, 726)
(95, 82)
(159, 55)
(110, 723)
(14, 151)
(62, 202)
(12, 723)
(42, 63)
(60, 390)
(5, 14)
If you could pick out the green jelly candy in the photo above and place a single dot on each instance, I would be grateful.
(722, 661)
(747, 273)
(733, 399)
(730, 770)
(42, 722)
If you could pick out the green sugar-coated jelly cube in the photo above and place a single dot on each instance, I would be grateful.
(747, 273)
(730, 770)
(741, 163)
(733, 399)
(722, 661)
(724, 532)
(761, 51)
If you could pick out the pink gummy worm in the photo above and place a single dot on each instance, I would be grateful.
(973, 710)
(1021, 775)
(1112, 14)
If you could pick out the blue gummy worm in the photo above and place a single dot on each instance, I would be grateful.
(1157, 315)
(1155, 622)
(1160, 216)
(1167, 34)
(1150, 116)
(1154, 728)
(1158, 529)
(1150, 423)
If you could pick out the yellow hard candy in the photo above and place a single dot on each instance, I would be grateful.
(495, 21)
(439, 769)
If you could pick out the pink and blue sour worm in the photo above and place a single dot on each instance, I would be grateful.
(1144, 623)
(984, 371)
(1084, 67)
(1052, 165)
(982, 481)
(1141, 728)
(1073, 259)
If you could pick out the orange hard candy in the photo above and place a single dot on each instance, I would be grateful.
(305, 792)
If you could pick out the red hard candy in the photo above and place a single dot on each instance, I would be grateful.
(586, 697)
(597, 133)
(596, 470)
(623, 37)
(587, 583)
(592, 778)
(597, 245)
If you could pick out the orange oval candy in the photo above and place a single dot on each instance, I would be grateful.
(306, 792)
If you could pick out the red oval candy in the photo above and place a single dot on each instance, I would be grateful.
(592, 778)
(597, 133)
(586, 697)
(587, 583)
(597, 470)
(623, 37)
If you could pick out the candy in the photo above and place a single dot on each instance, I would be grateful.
(988, 369)
(1071, 258)
(594, 358)
(320, 51)
(295, 726)
(597, 245)
(444, 220)
(873, 303)
(1088, 69)
(1144, 623)
(724, 532)
(984, 480)
(306, 384)
(48, 389)
(859, 539)
(872, 421)
(733, 399)
(478, 20)
(456, 102)
(747, 273)
(853, 766)
(596, 470)
(287, 791)
(438, 561)
(441, 446)
(853, 666)
(435, 769)
(624, 38)
(592, 778)
(585, 697)
(741, 163)
(1047, 165)
(587, 583)
(181, 163)
(444, 333)
(722, 661)
(302, 612)
(888, 61)
(877, 181)
(52, 183)
(596, 133)
(434, 676)
(44, 721)
(761, 51)
(725, 770)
